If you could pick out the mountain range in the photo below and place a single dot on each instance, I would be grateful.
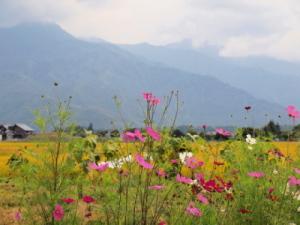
(265, 78)
(34, 56)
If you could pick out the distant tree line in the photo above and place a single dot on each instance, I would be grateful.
(270, 132)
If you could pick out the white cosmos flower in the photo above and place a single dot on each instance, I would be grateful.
(184, 155)
(250, 140)
(194, 182)
(119, 162)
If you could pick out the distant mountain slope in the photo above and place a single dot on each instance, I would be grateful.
(34, 56)
(270, 79)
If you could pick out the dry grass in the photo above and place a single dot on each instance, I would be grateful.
(9, 148)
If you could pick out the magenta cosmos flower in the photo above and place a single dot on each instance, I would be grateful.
(18, 216)
(152, 133)
(88, 199)
(193, 163)
(68, 200)
(162, 223)
(142, 162)
(223, 133)
(156, 187)
(101, 167)
(256, 174)
(192, 210)
(58, 212)
(184, 180)
(293, 112)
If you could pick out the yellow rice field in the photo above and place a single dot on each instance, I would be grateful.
(9, 148)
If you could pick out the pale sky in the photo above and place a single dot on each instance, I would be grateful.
(238, 27)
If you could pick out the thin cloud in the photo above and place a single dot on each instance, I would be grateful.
(239, 27)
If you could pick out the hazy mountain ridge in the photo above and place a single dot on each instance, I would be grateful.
(34, 56)
(266, 78)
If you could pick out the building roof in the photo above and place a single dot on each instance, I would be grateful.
(24, 127)
(6, 125)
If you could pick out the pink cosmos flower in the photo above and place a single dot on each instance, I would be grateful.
(156, 187)
(88, 199)
(101, 167)
(139, 135)
(142, 162)
(293, 181)
(202, 199)
(151, 99)
(192, 210)
(58, 212)
(193, 163)
(162, 223)
(174, 161)
(154, 101)
(199, 177)
(184, 180)
(152, 133)
(18, 216)
(297, 170)
(128, 136)
(293, 112)
(68, 200)
(131, 136)
(256, 174)
(161, 172)
(147, 96)
(223, 133)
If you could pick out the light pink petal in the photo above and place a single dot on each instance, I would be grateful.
(193, 163)
(256, 174)
(156, 187)
(182, 179)
(192, 210)
(297, 170)
(293, 181)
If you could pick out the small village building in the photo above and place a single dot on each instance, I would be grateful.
(15, 131)
(2, 132)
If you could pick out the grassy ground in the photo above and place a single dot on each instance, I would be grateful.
(8, 204)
